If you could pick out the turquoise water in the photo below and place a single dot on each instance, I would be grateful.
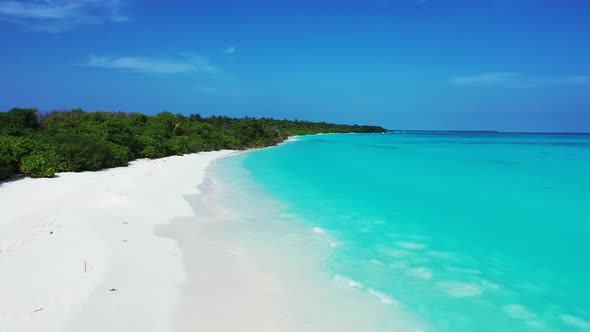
(467, 231)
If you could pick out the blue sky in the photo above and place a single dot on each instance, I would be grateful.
(513, 65)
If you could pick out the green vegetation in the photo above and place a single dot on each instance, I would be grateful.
(74, 141)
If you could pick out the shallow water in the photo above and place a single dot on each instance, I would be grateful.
(446, 231)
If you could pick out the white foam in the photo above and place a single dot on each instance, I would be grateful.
(490, 285)
(535, 323)
(318, 230)
(518, 311)
(376, 261)
(576, 322)
(348, 281)
(421, 273)
(399, 265)
(396, 252)
(460, 289)
(384, 298)
(411, 245)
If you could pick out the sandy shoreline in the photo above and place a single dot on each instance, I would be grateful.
(251, 268)
(79, 252)
(225, 289)
(152, 247)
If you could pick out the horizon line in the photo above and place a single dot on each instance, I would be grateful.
(487, 131)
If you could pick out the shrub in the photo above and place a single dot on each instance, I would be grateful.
(121, 154)
(42, 164)
(178, 145)
(82, 153)
(13, 149)
(63, 122)
(6, 170)
(19, 121)
(153, 147)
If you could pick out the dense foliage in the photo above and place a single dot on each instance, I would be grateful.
(41, 145)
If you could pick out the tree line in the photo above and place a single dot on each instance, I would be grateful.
(40, 145)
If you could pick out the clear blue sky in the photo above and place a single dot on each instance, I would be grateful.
(514, 65)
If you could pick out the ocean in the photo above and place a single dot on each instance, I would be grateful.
(422, 231)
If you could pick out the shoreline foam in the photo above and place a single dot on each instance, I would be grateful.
(263, 272)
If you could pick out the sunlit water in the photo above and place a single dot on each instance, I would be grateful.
(462, 231)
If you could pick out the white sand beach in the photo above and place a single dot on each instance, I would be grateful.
(137, 249)
(79, 252)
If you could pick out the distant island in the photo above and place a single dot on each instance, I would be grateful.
(40, 145)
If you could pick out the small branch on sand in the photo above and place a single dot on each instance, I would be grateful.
(34, 311)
